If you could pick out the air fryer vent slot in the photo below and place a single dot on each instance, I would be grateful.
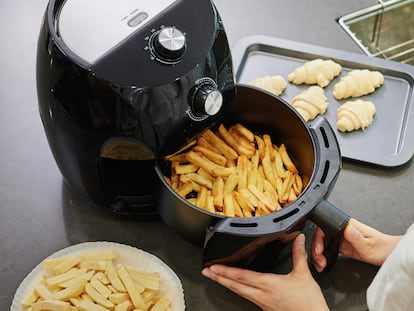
(244, 225)
(286, 216)
(325, 137)
(325, 172)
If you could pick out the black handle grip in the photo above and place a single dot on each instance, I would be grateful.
(332, 221)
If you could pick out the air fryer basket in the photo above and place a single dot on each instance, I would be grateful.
(313, 149)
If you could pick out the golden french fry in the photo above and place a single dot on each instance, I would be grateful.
(242, 130)
(224, 171)
(210, 204)
(202, 198)
(123, 306)
(201, 141)
(229, 139)
(219, 144)
(238, 212)
(269, 146)
(286, 159)
(242, 163)
(204, 173)
(185, 189)
(201, 180)
(201, 161)
(249, 196)
(268, 170)
(292, 196)
(246, 206)
(217, 192)
(211, 155)
(261, 197)
(231, 183)
(185, 168)
(298, 185)
(260, 146)
(229, 205)
(243, 141)
(287, 185)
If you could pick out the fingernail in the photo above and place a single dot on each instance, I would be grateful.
(213, 268)
(206, 272)
(301, 239)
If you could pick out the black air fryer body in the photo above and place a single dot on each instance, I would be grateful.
(120, 86)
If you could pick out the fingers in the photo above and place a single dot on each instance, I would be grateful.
(318, 258)
(242, 282)
(299, 255)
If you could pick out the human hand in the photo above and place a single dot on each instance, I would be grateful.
(360, 242)
(294, 291)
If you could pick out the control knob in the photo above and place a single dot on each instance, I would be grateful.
(169, 44)
(207, 100)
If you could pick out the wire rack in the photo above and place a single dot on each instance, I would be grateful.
(385, 29)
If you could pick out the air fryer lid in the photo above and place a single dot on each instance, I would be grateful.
(134, 42)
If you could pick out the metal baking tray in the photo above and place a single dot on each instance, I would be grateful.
(388, 141)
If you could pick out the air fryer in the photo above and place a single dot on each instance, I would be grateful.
(124, 83)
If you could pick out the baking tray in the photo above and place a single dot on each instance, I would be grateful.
(388, 141)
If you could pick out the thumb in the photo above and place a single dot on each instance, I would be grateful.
(300, 257)
(353, 236)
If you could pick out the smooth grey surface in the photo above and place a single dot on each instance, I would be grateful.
(39, 214)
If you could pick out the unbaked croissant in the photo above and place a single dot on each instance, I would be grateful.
(273, 84)
(354, 115)
(317, 71)
(358, 82)
(310, 102)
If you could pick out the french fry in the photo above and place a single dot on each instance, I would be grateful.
(219, 144)
(259, 175)
(231, 183)
(233, 143)
(261, 147)
(211, 155)
(51, 305)
(286, 159)
(261, 197)
(217, 192)
(185, 168)
(71, 292)
(199, 160)
(201, 141)
(242, 163)
(269, 146)
(242, 130)
(202, 198)
(131, 287)
(201, 180)
(229, 205)
(224, 171)
(185, 189)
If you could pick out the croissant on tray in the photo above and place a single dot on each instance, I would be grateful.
(354, 115)
(273, 84)
(317, 71)
(310, 102)
(358, 82)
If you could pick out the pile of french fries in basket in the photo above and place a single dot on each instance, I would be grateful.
(235, 173)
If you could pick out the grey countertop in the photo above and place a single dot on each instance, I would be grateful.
(40, 215)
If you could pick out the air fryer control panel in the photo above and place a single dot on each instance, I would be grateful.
(143, 43)
(91, 29)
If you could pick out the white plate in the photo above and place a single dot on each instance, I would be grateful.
(171, 286)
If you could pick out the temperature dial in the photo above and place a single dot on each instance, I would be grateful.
(207, 100)
(169, 44)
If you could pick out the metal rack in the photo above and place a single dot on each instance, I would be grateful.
(385, 29)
